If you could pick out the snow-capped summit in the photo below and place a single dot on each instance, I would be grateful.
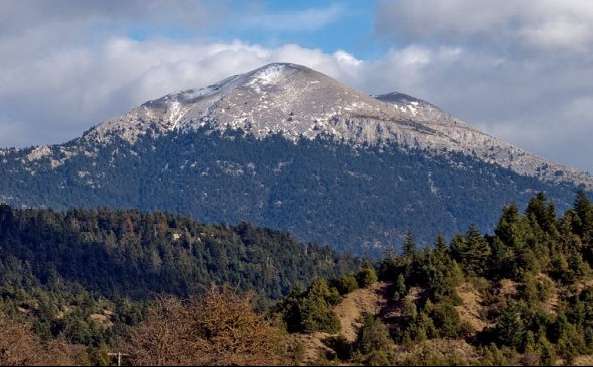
(298, 102)
(278, 98)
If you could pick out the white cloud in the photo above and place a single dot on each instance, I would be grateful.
(21, 16)
(543, 25)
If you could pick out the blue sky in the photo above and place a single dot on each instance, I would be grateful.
(347, 25)
(518, 70)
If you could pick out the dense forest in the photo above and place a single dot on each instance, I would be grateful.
(71, 273)
(360, 199)
(133, 254)
(520, 295)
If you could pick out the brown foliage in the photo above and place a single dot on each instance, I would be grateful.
(19, 346)
(220, 328)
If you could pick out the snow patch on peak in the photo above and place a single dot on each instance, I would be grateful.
(270, 74)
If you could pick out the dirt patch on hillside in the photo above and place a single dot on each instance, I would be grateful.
(470, 309)
(454, 352)
(583, 361)
(551, 303)
(507, 288)
(358, 303)
(314, 350)
(350, 311)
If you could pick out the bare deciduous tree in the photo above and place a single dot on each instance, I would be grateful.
(221, 328)
(19, 346)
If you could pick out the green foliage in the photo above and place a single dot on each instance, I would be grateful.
(366, 276)
(431, 269)
(447, 322)
(583, 222)
(311, 310)
(343, 348)
(472, 251)
(86, 276)
(543, 316)
(409, 246)
(399, 289)
(373, 336)
(373, 345)
(346, 284)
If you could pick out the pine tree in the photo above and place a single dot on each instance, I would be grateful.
(373, 336)
(366, 276)
(409, 247)
(543, 212)
(512, 228)
(400, 288)
(584, 210)
(472, 250)
(440, 247)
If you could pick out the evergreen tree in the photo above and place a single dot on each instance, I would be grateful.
(409, 247)
(543, 212)
(373, 336)
(511, 229)
(478, 251)
(472, 250)
(400, 289)
(440, 247)
(584, 211)
(366, 276)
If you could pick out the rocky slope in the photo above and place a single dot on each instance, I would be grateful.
(298, 102)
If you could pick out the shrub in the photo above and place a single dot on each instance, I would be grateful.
(311, 310)
(373, 336)
(447, 321)
(399, 289)
(343, 348)
(366, 276)
(346, 284)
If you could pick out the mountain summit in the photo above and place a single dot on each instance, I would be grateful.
(298, 102)
(290, 148)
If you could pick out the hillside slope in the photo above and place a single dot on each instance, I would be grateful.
(138, 255)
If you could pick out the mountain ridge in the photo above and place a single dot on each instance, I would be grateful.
(299, 102)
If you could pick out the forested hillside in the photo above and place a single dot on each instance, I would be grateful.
(361, 199)
(521, 295)
(133, 254)
(86, 275)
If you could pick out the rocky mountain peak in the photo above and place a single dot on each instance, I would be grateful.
(300, 103)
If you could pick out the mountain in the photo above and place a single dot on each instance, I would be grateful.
(288, 147)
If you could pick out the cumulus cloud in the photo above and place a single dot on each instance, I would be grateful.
(19, 16)
(546, 24)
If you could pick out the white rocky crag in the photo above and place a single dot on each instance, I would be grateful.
(298, 102)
